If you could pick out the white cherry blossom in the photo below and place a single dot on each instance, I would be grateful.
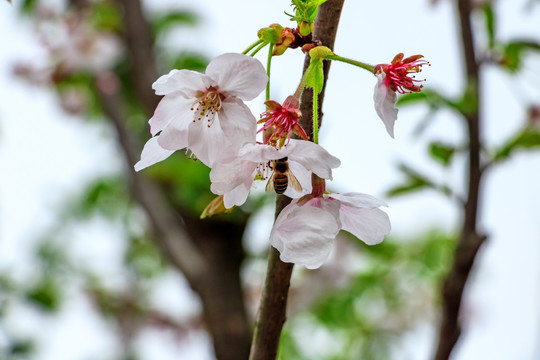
(234, 177)
(304, 231)
(205, 113)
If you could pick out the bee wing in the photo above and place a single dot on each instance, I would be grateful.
(293, 182)
(270, 184)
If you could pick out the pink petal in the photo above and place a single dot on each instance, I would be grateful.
(209, 143)
(238, 123)
(151, 154)
(358, 200)
(313, 157)
(171, 109)
(369, 225)
(385, 104)
(237, 75)
(185, 81)
(304, 234)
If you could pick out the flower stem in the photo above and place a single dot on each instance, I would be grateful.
(252, 46)
(360, 64)
(258, 48)
(268, 64)
(315, 117)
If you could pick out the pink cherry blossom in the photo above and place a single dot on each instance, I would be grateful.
(392, 78)
(205, 113)
(305, 229)
(234, 177)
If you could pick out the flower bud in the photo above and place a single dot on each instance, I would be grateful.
(320, 52)
(304, 28)
(271, 34)
(215, 207)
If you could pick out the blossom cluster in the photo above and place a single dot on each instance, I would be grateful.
(206, 115)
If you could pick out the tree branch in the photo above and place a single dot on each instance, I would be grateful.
(273, 305)
(470, 240)
(173, 239)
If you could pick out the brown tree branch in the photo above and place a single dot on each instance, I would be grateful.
(470, 240)
(139, 40)
(174, 240)
(273, 305)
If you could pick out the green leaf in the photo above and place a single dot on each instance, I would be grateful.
(315, 75)
(166, 21)
(46, 294)
(431, 98)
(106, 16)
(28, 6)
(489, 18)
(441, 152)
(190, 61)
(414, 182)
(109, 196)
(527, 139)
(513, 54)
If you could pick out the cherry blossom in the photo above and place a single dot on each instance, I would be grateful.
(205, 113)
(234, 177)
(395, 78)
(305, 229)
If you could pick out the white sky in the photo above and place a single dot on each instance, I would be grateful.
(45, 154)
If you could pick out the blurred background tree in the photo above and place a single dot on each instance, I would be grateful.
(102, 58)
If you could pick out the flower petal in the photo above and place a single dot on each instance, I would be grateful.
(236, 197)
(185, 81)
(369, 225)
(227, 175)
(304, 234)
(313, 157)
(385, 104)
(151, 154)
(237, 122)
(237, 75)
(358, 200)
(208, 143)
(173, 109)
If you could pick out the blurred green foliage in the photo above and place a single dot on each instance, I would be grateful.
(396, 288)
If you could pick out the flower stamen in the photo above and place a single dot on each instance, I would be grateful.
(398, 74)
(207, 105)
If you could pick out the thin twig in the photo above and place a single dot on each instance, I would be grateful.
(470, 240)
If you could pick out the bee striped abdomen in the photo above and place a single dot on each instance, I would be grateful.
(281, 182)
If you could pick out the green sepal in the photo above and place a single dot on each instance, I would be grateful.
(315, 75)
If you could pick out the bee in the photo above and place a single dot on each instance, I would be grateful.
(282, 177)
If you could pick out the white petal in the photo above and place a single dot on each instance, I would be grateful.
(260, 153)
(238, 75)
(369, 225)
(227, 175)
(172, 109)
(358, 200)
(236, 197)
(313, 157)
(151, 154)
(185, 81)
(208, 143)
(304, 234)
(237, 122)
(385, 104)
